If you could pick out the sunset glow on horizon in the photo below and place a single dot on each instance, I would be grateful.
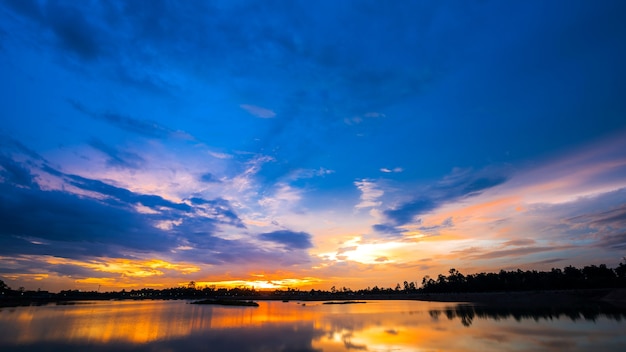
(306, 145)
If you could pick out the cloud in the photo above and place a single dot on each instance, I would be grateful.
(117, 157)
(394, 170)
(144, 128)
(15, 173)
(220, 155)
(73, 226)
(308, 173)
(219, 209)
(124, 195)
(434, 229)
(85, 217)
(458, 185)
(520, 242)
(343, 250)
(283, 198)
(258, 111)
(73, 31)
(370, 193)
(69, 26)
(407, 211)
(209, 178)
(290, 239)
(88, 218)
(9, 144)
(514, 252)
(607, 228)
(207, 247)
(245, 180)
(388, 229)
(107, 271)
(355, 120)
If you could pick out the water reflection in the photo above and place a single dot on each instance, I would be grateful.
(591, 312)
(278, 326)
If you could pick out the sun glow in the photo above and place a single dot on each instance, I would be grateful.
(268, 284)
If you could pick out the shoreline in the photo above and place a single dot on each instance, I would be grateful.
(556, 298)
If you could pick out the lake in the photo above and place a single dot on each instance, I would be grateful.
(306, 326)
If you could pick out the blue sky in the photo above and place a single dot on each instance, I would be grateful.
(308, 144)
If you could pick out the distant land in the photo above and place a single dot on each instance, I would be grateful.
(557, 287)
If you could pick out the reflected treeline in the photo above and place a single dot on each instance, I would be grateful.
(590, 312)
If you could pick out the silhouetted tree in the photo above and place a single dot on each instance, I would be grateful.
(620, 271)
(591, 276)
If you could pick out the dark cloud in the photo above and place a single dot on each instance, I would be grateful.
(387, 229)
(124, 195)
(208, 247)
(69, 25)
(447, 223)
(117, 157)
(608, 227)
(459, 185)
(15, 173)
(141, 127)
(521, 251)
(76, 226)
(407, 211)
(209, 178)
(519, 242)
(11, 145)
(550, 261)
(67, 225)
(73, 271)
(614, 218)
(290, 239)
(74, 32)
(219, 209)
(598, 220)
(105, 223)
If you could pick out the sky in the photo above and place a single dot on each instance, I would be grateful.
(308, 144)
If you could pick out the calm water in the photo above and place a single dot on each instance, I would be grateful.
(291, 326)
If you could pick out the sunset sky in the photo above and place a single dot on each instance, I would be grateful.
(308, 144)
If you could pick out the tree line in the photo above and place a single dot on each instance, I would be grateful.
(570, 277)
(588, 277)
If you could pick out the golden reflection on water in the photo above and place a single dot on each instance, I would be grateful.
(375, 326)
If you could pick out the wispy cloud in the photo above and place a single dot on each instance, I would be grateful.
(394, 170)
(358, 119)
(308, 173)
(289, 239)
(282, 199)
(145, 128)
(458, 185)
(117, 157)
(258, 111)
(370, 194)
